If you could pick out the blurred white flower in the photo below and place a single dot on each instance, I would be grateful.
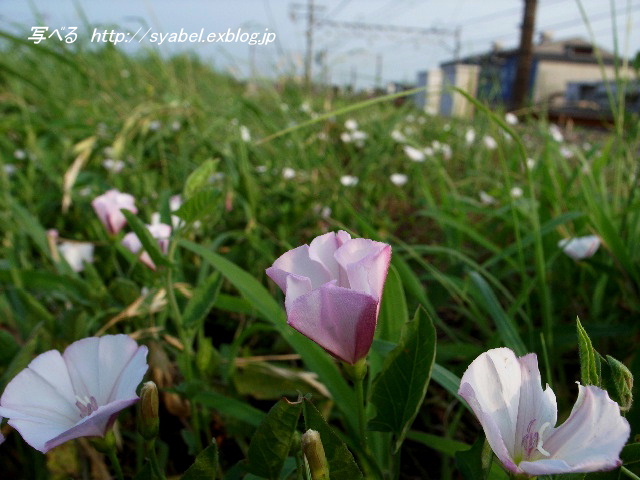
(155, 125)
(414, 154)
(261, 168)
(176, 125)
(398, 136)
(351, 124)
(511, 118)
(114, 166)
(19, 154)
(566, 151)
(357, 137)
(288, 173)
(349, 180)
(580, 248)
(160, 231)
(76, 254)
(531, 163)
(245, 134)
(487, 199)
(428, 151)
(9, 168)
(305, 107)
(447, 153)
(470, 136)
(556, 133)
(490, 142)
(516, 192)
(399, 179)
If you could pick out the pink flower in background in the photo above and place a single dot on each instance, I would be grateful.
(160, 231)
(519, 418)
(333, 289)
(108, 206)
(580, 248)
(77, 394)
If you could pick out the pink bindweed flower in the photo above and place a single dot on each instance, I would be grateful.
(77, 394)
(160, 231)
(76, 254)
(519, 418)
(333, 289)
(108, 206)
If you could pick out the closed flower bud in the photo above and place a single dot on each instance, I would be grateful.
(620, 383)
(148, 422)
(314, 453)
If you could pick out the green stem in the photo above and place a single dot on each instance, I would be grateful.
(359, 385)
(153, 460)
(115, 463)
(629, 473)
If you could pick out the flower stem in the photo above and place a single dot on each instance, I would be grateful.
(357, 373)
(629, 473)
(153, 460)
(115, 463)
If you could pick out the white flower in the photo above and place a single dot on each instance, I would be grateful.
(349, 180)
(414, 154)
(351, 124)
(398, 136)
(556, 133)
(511, 118)
(399, 179)
(566, 151)
(114, 166)
(487, 199)
(470, 136)
(531, 163)
(76, 254)
(19, 154)
(9, 168)
(155, 125)
(77, 394)
(519, 418)
(580, 248)
(490, 142)
(245, 134)
(263, 169)
(516, 192)
(288, 173)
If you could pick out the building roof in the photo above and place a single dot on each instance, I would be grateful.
(568, 50)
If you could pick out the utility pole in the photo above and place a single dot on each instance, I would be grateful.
(521, 86)
(310, 10)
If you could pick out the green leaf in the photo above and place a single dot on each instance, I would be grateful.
(393, 309)
(199, 178)
(448, 446)
(270, 444)
(342, 466)
(475, 463)
(630, 453)
(231, 407)
(590, 366)
(316, 359)
(447, 380)
(399, 390)
(618, 381)
(206, 465)
(204, 297)
(205, 202)
(507, 330)
(149, 244)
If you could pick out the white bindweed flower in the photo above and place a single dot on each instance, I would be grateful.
(414, 154)
(349, 180)
(19, 154)
(580, 248)
(79, 393)
(399, 179)
(76, 254)
(519, 418)
(531, 163)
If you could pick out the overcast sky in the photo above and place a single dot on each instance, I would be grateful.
(346, 52)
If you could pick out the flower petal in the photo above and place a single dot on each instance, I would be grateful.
(95, 425)
(323, 249)
(366, 263)
(340, 320)
(298, 262)
(590, 440)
